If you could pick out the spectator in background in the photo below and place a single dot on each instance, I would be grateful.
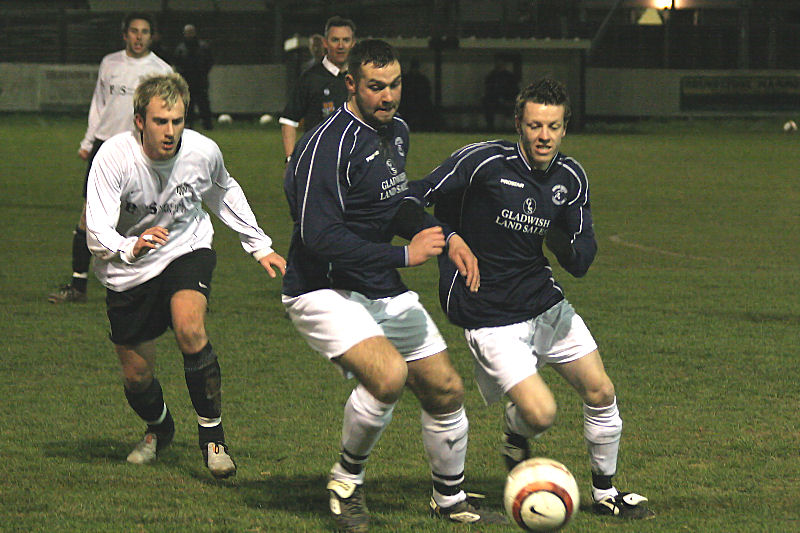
(158, 48)
(501, 88)
(416, 107)
(193, 60)
(110, 112)
(320, 90)
(316, 47)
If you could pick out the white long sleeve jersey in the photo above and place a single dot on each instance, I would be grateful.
(129, 192)
(111, 111)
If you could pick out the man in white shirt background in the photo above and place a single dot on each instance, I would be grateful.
(111, 112)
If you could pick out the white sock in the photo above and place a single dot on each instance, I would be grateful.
(516, 424)
(365, 418)
(602, 429)
(445, 440)
(599, 494)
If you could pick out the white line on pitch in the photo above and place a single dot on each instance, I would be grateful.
(616, 239)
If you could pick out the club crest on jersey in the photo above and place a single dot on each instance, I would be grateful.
(183, 189)
(391, 166)
(529, 205)
(559, 194)
(398, 142)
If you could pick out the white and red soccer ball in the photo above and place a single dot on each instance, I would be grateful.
(541, 495)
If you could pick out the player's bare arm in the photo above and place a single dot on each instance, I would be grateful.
(150, 239)
(289, 136)
(425, 244)
(271, 261)
(465, 261)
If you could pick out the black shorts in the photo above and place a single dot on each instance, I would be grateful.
(95, 147)
(143, 312)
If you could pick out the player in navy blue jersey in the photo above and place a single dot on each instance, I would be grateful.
(344, 295)
(506, 200)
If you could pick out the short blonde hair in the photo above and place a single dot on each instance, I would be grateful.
(169, 87)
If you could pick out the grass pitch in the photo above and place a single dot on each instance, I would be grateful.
(693, 298)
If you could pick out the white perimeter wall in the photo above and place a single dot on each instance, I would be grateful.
(256, 89)
(38, 87)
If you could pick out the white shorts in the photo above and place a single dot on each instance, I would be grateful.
(333, 321)
(505, 355)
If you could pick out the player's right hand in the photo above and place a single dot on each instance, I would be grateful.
(465, 261)
(425, 244)
(150, 239)
(83, 154)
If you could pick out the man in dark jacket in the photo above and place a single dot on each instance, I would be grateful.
(193, 60)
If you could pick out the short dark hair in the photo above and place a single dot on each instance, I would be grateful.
(545, 91)
(138, 15)
(375, 51)
(336, 20)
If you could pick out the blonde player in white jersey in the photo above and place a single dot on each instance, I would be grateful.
(111, 112)
(152, 240)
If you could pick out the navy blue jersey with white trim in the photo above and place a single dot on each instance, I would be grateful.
(344, 183)
(503, 209)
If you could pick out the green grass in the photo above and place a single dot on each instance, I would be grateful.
(694, 299)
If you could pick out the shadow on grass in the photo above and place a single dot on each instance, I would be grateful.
(178, 455)
(306, 494)
(89, 450)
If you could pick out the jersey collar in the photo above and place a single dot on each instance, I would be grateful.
(528, 166)
(330, 67)
(346, 107)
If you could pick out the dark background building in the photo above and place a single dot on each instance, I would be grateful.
(685, 34)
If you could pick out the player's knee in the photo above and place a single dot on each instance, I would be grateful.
(389, 386)
(137, 377)
(448, 396)
(601, 395)
(540, 416)
(191, 337)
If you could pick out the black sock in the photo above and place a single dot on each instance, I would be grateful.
(81, 257)
(601, 482)
(204, 382)
(210, 434)
(517, 440)
(165, 430)
(352, 468)
(148, 404)
(448, 490)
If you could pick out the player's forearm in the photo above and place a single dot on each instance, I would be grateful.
(105, 243)
(411, 218)
(289, 136)
(585, 250)
(230, 205)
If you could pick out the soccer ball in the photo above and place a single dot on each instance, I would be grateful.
(225, 119)
(790, 126)
(541, 495)
(265, 119)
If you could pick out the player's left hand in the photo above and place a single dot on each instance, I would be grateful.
(560, 243)
(273, 260)
(467, 264)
